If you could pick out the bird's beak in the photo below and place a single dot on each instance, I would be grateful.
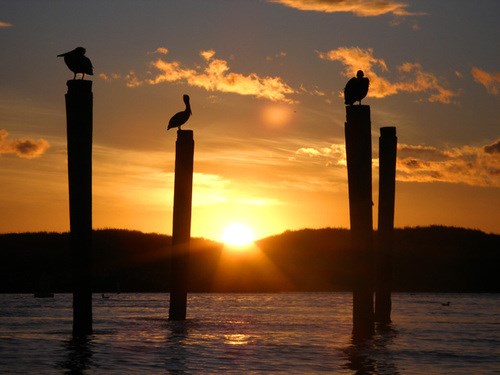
(61, 55)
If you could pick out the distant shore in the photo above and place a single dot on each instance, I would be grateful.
(425, 259)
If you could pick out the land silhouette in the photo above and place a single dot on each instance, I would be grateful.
(426, 259)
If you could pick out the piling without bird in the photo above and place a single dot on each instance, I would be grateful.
(387, 188)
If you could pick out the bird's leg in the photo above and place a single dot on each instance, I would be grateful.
(83, 75)
(74, 77)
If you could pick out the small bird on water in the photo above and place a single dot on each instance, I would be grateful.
(180, 118)
(77, 62)
(356, 88)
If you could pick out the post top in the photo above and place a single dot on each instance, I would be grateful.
(356, 113)
(184, 134)
(79, 85)
(357, 108)
(388, 131)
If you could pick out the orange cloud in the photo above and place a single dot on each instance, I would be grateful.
(475, 166)
(5, 24)
(361, 8)
(23, 147)
(109, 77)
(491, 81)
(330, 156)
(216, 76)
(132, 80)
(423, 81)
(412, 76)
(161, 50)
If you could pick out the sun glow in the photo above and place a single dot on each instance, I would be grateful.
(277, 115)
(238, 235)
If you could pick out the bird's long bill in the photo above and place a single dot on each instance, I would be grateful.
(62, 54)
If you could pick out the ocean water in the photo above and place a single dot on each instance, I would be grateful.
(302, 333)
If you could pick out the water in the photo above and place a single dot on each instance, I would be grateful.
(300, 333)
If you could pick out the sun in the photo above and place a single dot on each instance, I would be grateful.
(238, 235)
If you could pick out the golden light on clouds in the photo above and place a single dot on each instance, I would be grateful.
(491, 81)
(412, 77)
(474, 166)
(162, 50)
(362, 8)
(470, 165)
(5, 24)
(334, 155)
(354, 58)
(216, 76)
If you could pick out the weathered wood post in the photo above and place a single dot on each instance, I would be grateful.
(387, 188)
(181, 231)
(359, 171)
(79, 103)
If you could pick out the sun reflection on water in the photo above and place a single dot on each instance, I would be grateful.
(237, 339)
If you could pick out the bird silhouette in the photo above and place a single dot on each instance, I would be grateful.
(180, 118)
(356, 88)
(77, 62)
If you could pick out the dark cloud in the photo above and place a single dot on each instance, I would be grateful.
(412, 163)
(493, 149)
(422, 152)
(22, 147)
(475, 166)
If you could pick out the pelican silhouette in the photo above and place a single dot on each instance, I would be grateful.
(180, 118)
(356, 88)
(77, 62)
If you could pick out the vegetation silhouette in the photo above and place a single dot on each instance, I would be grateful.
(426, 259)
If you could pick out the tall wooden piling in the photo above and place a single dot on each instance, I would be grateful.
(79, 102)
(359, 171)
(387, 188)
(181, 231)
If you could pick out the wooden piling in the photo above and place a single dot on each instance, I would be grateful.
(387, 188)
(181, 231)
(359, 171)
(79, 103)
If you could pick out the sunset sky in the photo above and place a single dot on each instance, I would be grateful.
(265, 79)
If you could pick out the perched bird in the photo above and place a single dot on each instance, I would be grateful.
(77, 62)
(356, 88)
(180, 118)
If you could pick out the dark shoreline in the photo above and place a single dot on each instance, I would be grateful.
(426, 259)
